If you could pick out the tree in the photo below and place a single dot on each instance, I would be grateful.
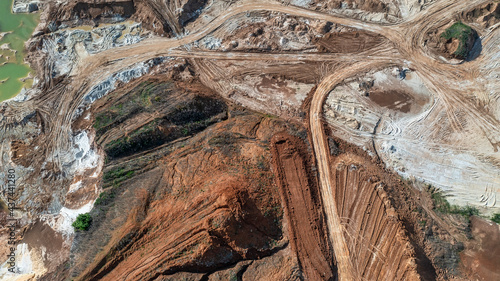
(82, 221)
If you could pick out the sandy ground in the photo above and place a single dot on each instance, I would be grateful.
(439, 124)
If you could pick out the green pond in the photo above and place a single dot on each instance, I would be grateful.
(19, 28)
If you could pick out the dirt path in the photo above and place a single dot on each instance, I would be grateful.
(320, 144)
(408, 39)
(303, 208)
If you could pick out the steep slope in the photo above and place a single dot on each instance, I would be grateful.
(201, 198)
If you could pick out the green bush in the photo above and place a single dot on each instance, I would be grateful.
(496, 218)
(106, 196)
(82, 222)
(443, 206)
(118, 174)
(461, 32)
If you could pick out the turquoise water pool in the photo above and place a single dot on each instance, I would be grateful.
(18, 29)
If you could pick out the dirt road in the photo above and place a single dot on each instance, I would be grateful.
(408, 45)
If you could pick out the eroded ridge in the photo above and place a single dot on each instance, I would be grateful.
(378, 246)
(303, 207)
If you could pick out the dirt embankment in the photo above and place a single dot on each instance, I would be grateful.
(486, 15)
(378, 246)
(349, 42)
(76, 13)
(202, 204)
(304, 214)
(390, 222)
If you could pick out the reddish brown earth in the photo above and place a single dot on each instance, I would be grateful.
(481, 255)
(303, 208)
(210, 203)
(204, 204)
(348, 42)
(392, 99)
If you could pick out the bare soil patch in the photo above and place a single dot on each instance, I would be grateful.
(392, 99)
(481, 257)
(303, 208)
(348, 42)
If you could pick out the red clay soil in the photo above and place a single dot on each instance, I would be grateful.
(482, 255)
(378, 246)
(303, 207)
(209, 204)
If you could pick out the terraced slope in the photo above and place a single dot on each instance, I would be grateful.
(378, 246)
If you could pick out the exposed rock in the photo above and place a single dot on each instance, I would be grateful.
(66, 46)
(25, 6)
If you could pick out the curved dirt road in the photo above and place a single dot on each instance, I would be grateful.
(407, 37)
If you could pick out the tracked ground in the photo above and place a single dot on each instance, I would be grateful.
(157, 135)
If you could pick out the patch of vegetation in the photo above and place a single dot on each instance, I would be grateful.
(224, 139)
(462, 33)
(143, 138)
(82, 222)
(270, 116)
(144, 98)
(117, 175)
(496, 218)
(105, 197)
(198, 109)
(145, 95)
(443, 206)
(101, 121)
(185, 120)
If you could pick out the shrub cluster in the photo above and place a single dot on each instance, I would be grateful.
(82, 222)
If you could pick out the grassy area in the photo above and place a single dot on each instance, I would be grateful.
(462, 33)
(107, 196)
(115, 176)
(82, 222)
(143, 138)
(184, 118)
(144, 98)
(443, 206)
(496, 218)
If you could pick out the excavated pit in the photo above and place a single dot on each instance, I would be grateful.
(392, 99)
(95, 11)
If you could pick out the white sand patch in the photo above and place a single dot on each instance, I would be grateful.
(23, 266)
(85, 157)
(75, 186)
(300, 3)
(62, 221)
